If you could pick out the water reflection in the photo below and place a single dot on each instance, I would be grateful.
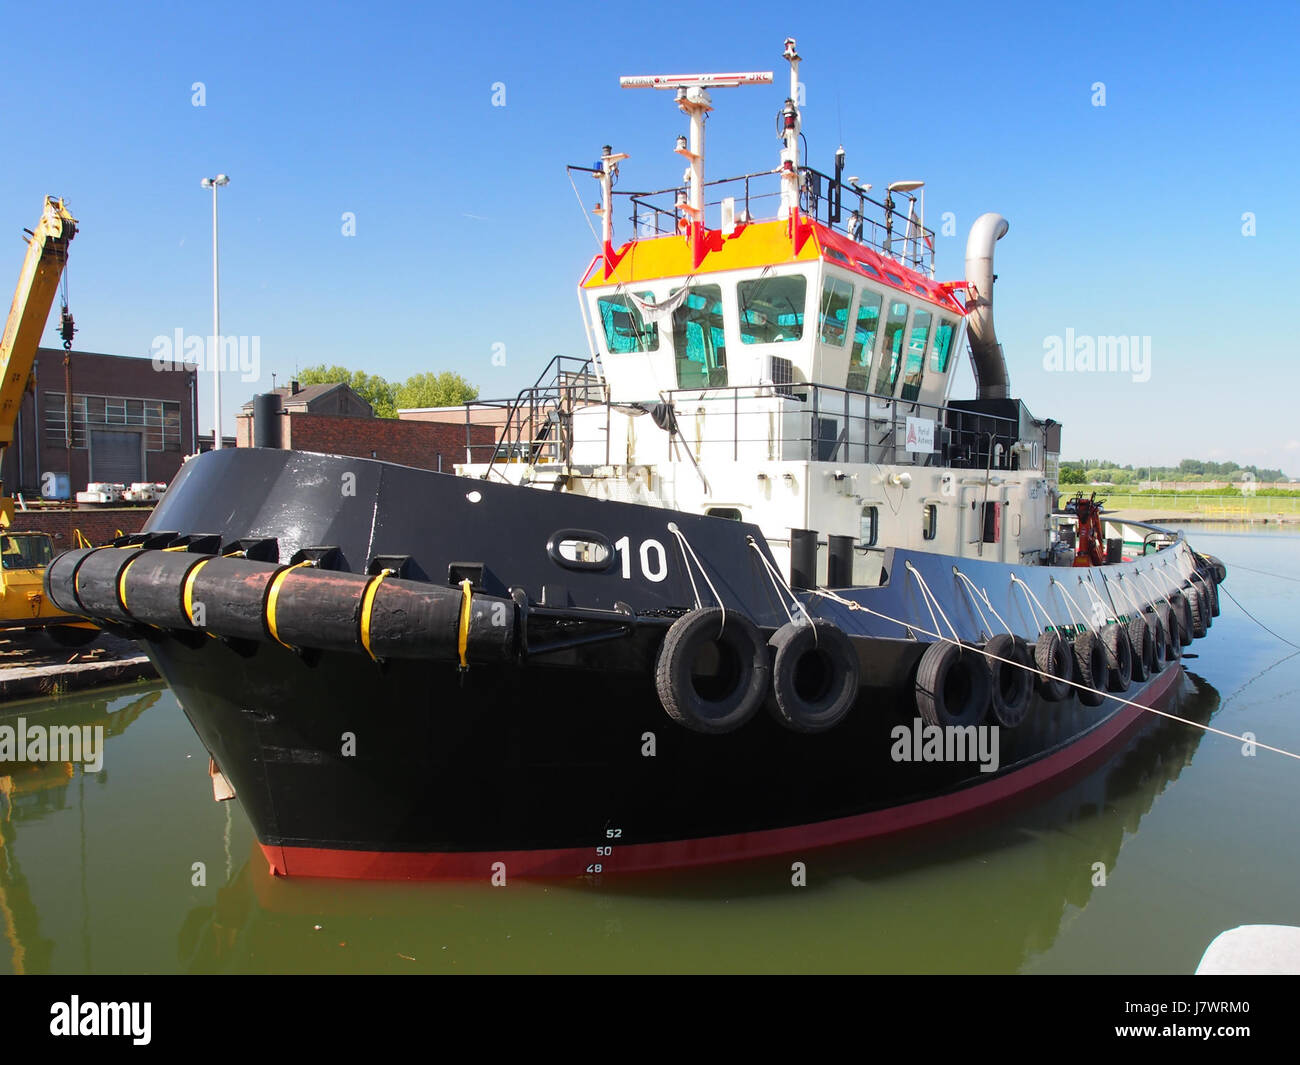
(984, 898)
(34, 791)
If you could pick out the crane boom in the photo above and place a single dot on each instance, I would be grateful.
(47, 252)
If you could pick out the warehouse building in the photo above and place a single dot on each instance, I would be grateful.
(126, 422)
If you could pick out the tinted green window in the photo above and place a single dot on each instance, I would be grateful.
(698, 339)
(942, 346)
(914, 369)
(864, 339)
(772, 309)
(836, 297)
(892, 351)
(625, 329)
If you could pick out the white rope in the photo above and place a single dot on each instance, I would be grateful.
(925, 591)
(983, 595)
(1106, 607)
(1071, 683)
(1033, 601)
(1083, 622)
(1130, 600)
(672, 528)
(583, 208)
(778, 582)
(1151, 583)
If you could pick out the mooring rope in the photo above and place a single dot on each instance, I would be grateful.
(1083, 622)
(971, 590)
(852, 605)
(1033, 601)
(686, 547)
(925, 590)
(779, 583)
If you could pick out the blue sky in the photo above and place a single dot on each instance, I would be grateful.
(1125, 219)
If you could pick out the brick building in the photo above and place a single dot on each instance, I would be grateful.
(332, 419)
(127, 421)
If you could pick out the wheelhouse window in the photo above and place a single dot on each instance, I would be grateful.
(772, 308)
(730, 513)
(892, 351)
(865, 327)
(699, 340)
(914, 368)
(626, 331)
(941, 347)
(836, 297)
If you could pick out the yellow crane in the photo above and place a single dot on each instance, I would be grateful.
(23, 555)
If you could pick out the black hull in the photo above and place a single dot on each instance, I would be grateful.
(562, 759)
(549, 759)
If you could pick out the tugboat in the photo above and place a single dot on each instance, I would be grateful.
(744, 582)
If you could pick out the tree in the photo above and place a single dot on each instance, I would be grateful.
(1072, 475)
(446, 389)
(375, 390)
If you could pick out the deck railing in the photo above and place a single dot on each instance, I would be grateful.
(843, 207)
(784, 422)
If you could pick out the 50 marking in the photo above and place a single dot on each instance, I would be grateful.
(604, 851)
(654, 559)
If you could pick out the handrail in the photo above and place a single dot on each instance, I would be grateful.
(822, 197)
(841, 424)
(540, 400)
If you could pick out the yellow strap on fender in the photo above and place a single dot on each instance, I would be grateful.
(274, 593)
(367, 604)
(121, 582)
(462, 639)
(187, 598)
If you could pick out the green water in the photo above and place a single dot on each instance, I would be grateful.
(97, 870)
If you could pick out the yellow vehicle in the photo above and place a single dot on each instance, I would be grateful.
(23, 555)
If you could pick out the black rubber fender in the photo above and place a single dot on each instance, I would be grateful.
(1205, 585)
(1053, 656)
(1171, 623)
(1139, 638)
(815, 675)
(1119, 657)
(953, 685)
(1198, 608)
(730, 697)
(61, 579)
(1217, 569)
(1011, 686)
(1183, 610)
(1158, 640)
(97, 581)
(1090, 668)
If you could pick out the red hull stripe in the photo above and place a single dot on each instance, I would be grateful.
(677, 854)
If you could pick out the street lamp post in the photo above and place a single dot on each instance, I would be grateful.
(214, 184)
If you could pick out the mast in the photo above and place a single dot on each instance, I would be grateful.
(791, 127)
(692, 97)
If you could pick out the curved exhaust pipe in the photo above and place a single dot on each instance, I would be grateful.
(987, 360)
